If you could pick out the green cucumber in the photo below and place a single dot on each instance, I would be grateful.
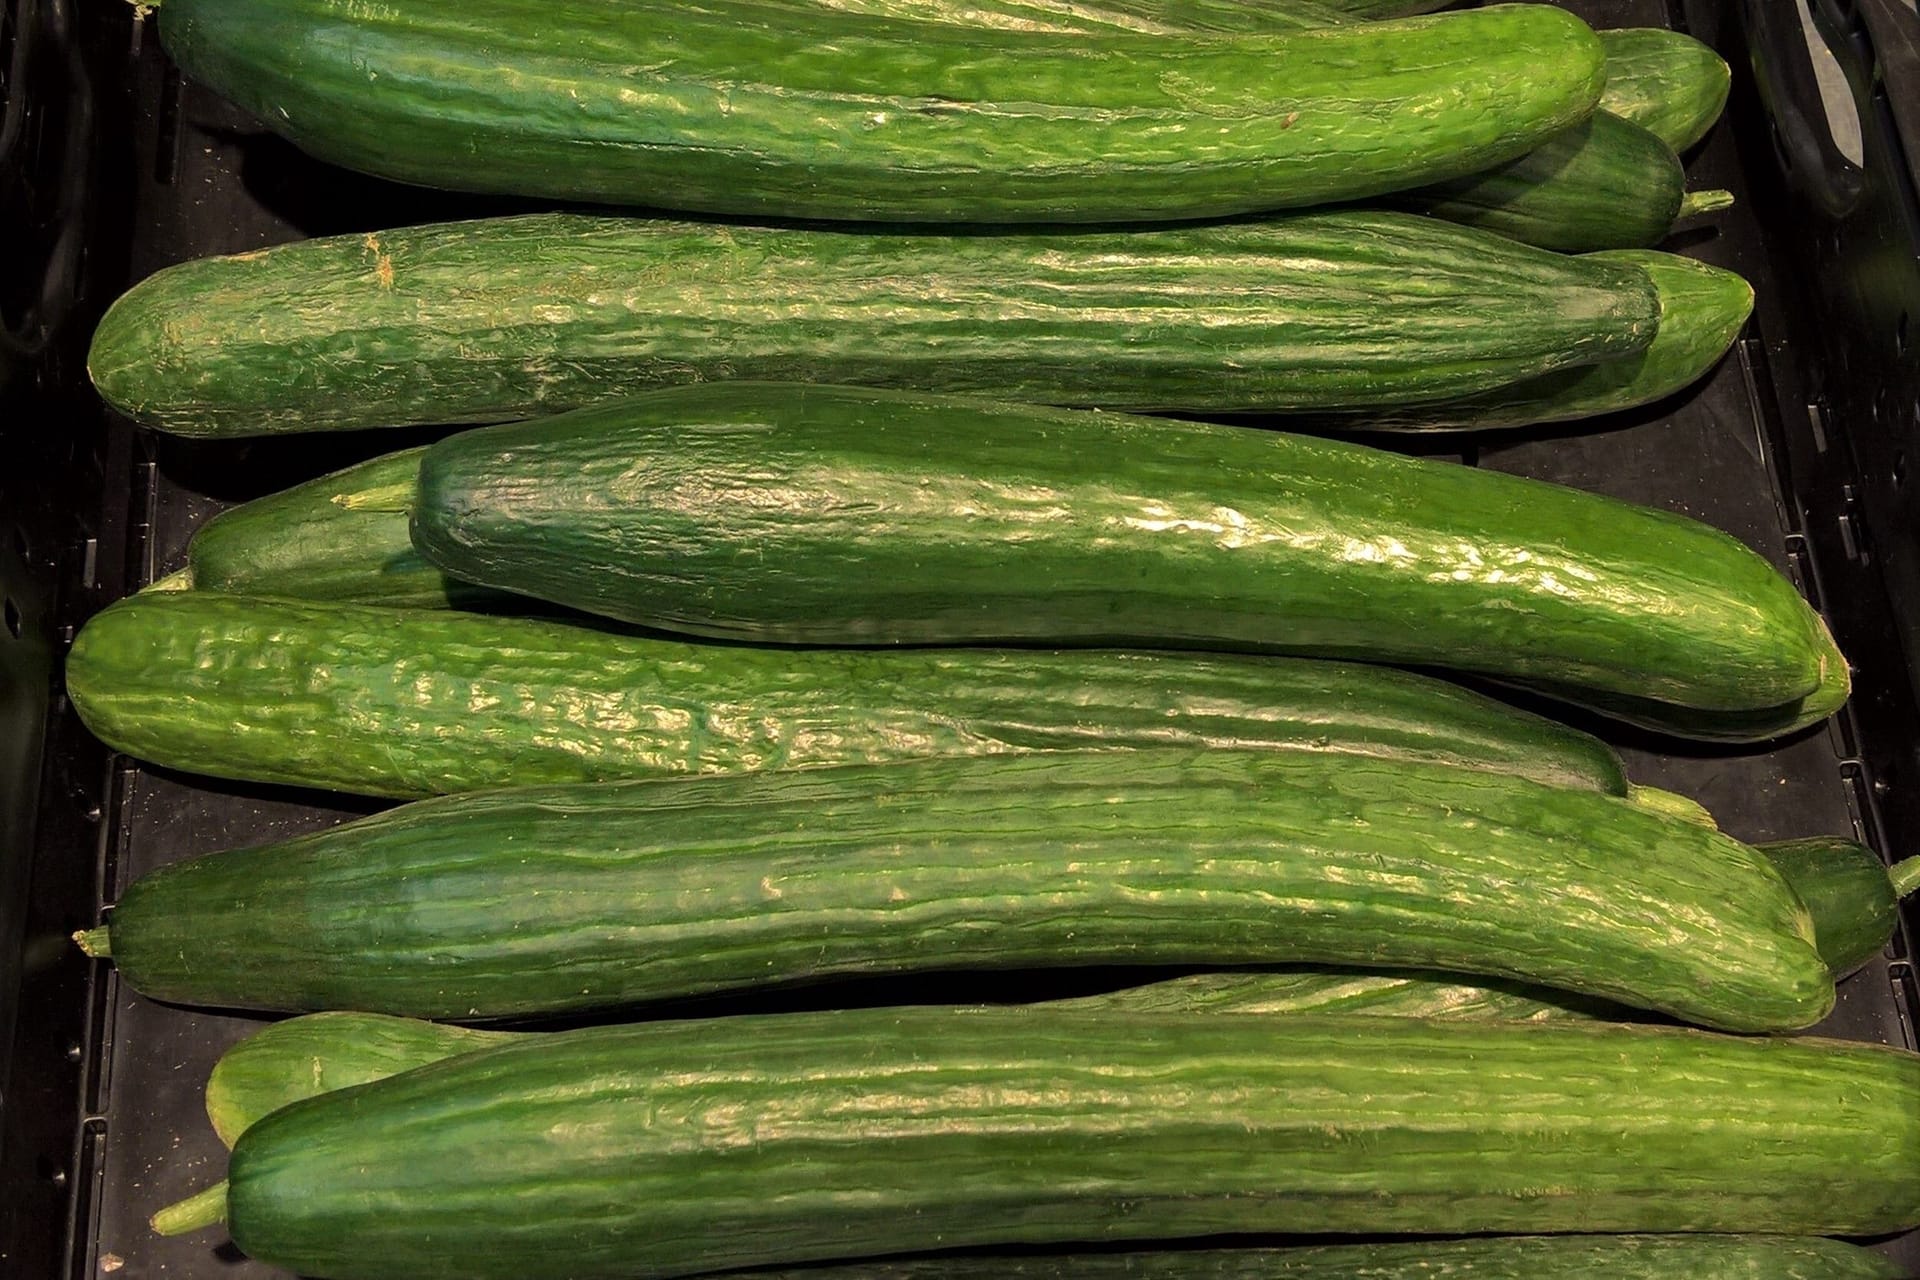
(340, 537)
(1702, 310)
(1605, 184)
(834, 515)
(704, 1145)
(507, 318)
(413, 703)
(1853, 896)
(318, 1053)
(798, 111)
(1666, 82)
(552, 900)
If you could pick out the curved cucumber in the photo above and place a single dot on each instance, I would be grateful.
(340, 537)
(508, 318)
(385, 702)
(799, 111)
(1854, 897)
(542, 901)
(319, 1053)
(892, 518)
(751, 1141)
(1665, 82)
(1702, 310)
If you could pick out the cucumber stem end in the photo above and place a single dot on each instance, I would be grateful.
(204, 1209)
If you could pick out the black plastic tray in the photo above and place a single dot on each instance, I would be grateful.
(1799, 445)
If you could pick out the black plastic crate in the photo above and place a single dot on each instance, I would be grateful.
(1805, 444)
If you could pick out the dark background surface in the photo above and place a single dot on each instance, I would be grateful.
(111, 168)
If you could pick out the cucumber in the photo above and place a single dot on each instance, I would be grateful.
(340, 537)
(320, 1052)
(1605, 184)
(552, 900)
(785, 110)
(1702, 310)
(412, 703)
(1665, 82)
(508, 318)
(704, 1145)
(1853, 896)
(891, 517)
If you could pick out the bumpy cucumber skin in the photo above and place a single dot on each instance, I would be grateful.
(877, 517)
(340, 537)
(675, 1148)
(318, 1053)
(1702, 310)
(510, 318)
(545, 901)
(1665, 82)
(797, 111)
(407, 704)
(1846, 889)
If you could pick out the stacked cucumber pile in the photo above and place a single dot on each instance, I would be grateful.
(824, 606)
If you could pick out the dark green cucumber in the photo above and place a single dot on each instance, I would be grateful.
(320, 1052)
(1702, 310)
(551, 900)
(1666, 82)
(776, 109)
(340, 537)
(491, 320)
(1854, 897)
(413, 703)
(834, 515)
(1605, 184)
(695, 1146)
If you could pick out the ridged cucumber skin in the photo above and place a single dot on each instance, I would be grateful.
(684, 1147)
(777, 110)
(1605, 184)
(342, 536)
(1101, 17)
(553, 900)
(1702, 311)
(1380, 10)
(413, 703)
(1847, 889)
(1638, 1257)
(318, 1053)
(1665, 82)
(836, 515)
(509, 318)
